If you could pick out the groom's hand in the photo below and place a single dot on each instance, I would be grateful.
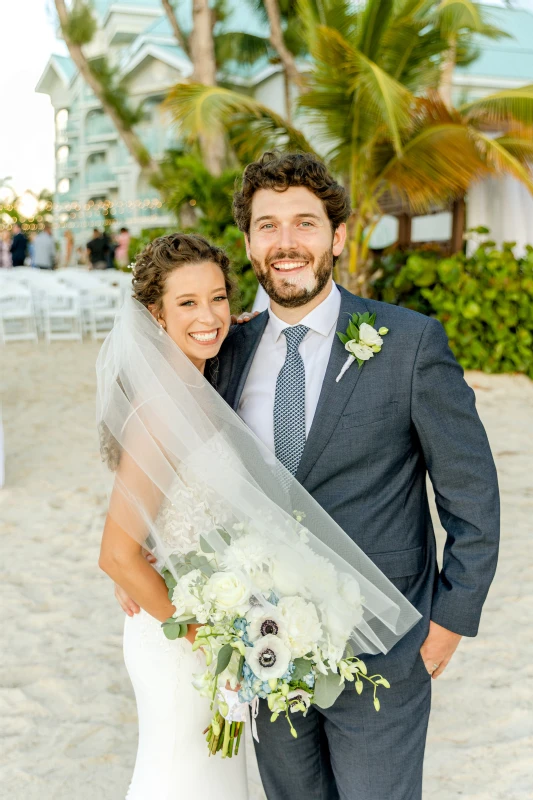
(127, 604)
(438, 648)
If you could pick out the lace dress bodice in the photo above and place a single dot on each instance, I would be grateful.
(186, 515)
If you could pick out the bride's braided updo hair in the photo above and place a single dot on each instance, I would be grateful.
(165, 254)
(152, 267)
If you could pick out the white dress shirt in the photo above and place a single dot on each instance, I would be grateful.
(256, 406)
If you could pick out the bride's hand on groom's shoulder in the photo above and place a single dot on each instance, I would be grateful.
(246, 316)
(438, 649)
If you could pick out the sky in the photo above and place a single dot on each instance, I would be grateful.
(27, 119)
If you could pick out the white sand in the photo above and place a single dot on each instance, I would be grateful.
(67, 714)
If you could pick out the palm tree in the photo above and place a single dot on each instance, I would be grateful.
(373, 108)
(78, 27)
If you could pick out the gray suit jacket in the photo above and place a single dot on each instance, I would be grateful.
(375, 435)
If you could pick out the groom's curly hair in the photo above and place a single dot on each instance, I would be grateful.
(280, 171)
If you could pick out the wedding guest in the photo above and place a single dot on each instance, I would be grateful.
(44, 249)
(19, 246)
(68, 253)
(5, 250)
(97, 251)
(121, 253)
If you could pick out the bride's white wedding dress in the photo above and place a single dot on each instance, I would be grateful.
(172, 757)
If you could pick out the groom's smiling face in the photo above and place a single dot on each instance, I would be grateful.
(291, 245)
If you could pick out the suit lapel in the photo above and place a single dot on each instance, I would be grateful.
(243, 354)
(334, 396)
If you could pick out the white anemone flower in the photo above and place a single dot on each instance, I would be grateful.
(269, 658)
(265, 622)
(298, 698)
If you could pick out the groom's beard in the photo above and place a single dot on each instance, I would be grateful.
(288, 292)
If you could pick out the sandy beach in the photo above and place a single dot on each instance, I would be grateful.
(67, 713)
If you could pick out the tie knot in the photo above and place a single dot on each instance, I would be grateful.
(295, 337)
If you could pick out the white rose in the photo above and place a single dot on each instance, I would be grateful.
(301, 624)
(362, 351)
(248, 553)
(183, 598)
(268, 658)
(227, 591)
(369, 336)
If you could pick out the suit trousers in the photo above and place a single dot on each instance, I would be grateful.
(350, 751)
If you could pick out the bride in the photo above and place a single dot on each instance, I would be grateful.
(185, 464)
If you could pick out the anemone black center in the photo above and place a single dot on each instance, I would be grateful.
(269, 626)
(267, 658)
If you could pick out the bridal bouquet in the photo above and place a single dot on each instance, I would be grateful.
(274, 626)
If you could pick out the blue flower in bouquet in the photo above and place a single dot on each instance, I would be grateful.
(241, 624)
(309, 679)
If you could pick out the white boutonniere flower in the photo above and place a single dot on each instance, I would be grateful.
(361, 340)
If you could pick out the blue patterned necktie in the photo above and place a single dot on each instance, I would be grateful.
(289, 403)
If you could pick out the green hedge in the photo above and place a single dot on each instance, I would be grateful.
(485, 301)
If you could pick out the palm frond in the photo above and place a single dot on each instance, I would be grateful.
(251, 127)
(500, 158)
(375, 20)
(436, 166)
(497, 110)
(240, 47)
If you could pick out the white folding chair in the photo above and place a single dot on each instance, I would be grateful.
(103, 305)
(62, 314)
(17, 316)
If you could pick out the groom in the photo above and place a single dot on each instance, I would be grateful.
(362, 447)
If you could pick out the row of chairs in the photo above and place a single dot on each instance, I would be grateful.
(58, 306)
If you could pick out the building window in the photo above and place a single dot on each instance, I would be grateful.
(62, 154)
(62, 119)
(63, 186)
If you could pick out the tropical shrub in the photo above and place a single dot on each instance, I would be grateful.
(484, 301)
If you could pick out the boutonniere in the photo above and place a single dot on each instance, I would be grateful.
(361, 340)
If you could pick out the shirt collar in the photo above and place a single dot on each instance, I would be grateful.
(320, 320)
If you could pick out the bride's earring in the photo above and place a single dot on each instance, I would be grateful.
(161, 329)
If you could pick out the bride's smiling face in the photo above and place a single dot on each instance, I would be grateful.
(195, 310)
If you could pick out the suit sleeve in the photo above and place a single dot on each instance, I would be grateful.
(463, 474)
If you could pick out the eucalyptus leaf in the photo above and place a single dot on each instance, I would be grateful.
(327, 689)
(224, 657)
(170, 580)
(174, 630)
(302, 667)
(205, 546)
(224, 535)
(240, 668)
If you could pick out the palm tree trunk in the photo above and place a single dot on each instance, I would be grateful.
(202, 54)
(128, 136)
(288, 98)
(178, 33)
(445, 87)
(278, 43)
